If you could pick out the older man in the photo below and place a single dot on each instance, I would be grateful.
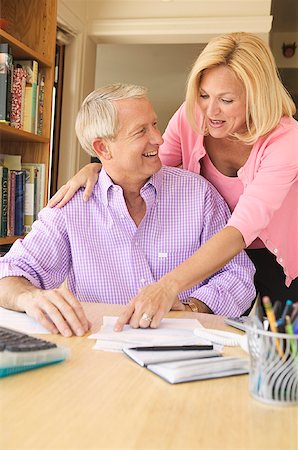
(141, 222)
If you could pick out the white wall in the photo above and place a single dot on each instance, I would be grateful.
(163, 68)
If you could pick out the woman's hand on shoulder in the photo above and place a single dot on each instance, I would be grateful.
(87, 177)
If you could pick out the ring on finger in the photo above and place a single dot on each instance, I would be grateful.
(146, 317)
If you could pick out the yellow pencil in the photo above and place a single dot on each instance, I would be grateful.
(272, 322)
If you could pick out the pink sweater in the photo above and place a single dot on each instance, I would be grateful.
(268, 207)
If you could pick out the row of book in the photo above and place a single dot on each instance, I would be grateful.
(21, 194)
(21, 92)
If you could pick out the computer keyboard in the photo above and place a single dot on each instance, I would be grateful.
(20, 352)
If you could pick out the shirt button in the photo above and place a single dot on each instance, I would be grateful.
(275, 250)
(143, 281)
(122, 216)
(280, 260)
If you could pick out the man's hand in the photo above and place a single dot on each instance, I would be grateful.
(147, 309)
(55, 309)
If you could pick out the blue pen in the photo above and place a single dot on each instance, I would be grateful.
(286, 312)
(295, 326)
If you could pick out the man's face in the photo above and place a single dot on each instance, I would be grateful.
(134, 153)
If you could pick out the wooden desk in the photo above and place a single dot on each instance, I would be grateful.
(100, 400)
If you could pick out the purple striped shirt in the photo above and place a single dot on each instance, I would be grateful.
(107, 258)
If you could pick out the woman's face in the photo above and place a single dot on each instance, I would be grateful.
(222, 101)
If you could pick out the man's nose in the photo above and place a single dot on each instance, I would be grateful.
(156, 137)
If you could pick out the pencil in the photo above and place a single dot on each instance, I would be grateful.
(272, 322)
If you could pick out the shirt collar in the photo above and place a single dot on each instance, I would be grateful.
(105, 183)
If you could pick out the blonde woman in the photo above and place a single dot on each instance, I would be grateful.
(237, 129)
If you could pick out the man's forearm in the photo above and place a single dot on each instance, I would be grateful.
(12, 289)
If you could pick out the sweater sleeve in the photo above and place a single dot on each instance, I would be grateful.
(273, 173)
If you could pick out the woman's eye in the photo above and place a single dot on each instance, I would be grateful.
(204, 96)
(227, 101)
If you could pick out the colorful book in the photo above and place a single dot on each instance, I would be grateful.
(29, 200)
(6, 70)
(11, 203)
(39, 186)
(18, 98)
(19, 202)
(4, 201)
(31, 69)
(40, 103)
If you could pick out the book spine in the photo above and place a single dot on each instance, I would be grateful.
(11, 210)
(4, 206)
(31, 69)
(19, 203)
(18, 98)
(6, 69)
(29, 197)
(40, 104)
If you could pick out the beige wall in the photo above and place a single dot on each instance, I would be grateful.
(172, 33)
(163, 68)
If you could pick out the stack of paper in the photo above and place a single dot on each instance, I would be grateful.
(170, 332)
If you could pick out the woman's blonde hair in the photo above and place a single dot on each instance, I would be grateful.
(98, 115)
(252, 62)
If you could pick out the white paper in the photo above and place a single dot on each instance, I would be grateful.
(20, 322)
(170, 332)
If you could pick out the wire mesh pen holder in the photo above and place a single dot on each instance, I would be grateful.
(273, 366)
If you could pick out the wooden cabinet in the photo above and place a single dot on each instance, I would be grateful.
(31, 33)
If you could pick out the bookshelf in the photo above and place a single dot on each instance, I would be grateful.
(31, 34)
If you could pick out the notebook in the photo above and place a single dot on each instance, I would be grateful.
(200, 369)
(143, 358)
(180, 366)
(20, 352)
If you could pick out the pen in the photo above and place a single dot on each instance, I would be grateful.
(289, 330)
(295, 326)
(286, 312)
(294, 314)
(173, 347)
(272, 321)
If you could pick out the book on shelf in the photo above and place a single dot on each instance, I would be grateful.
(21, 195)
(11, 203)
(18, 98)
(40, 102)
(29, 199)
(4, 200)
(181, 366)
(39, 192)
(31, 69)
(6, 71)
(19, 202)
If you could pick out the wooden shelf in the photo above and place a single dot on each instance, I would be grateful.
(30, 31)
(22, 51)
(9, 239)
(9, 133)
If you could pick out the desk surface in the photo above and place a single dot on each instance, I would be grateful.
(100, 400)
